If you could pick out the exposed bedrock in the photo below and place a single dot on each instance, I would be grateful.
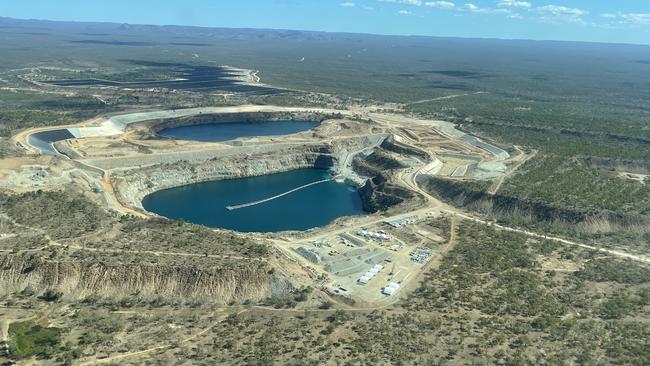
(379, 194)
(134, 185)
(510, 207)
(391, 144)
(150, 128)
(220, 284)
(631, 166)
(375, 164)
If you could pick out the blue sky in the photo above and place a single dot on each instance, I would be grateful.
(625, 21)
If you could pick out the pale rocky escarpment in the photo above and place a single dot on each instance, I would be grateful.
(212, 118)
(132, 186)
(223, 284)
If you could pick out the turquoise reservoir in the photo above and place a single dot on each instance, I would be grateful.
(205, 203)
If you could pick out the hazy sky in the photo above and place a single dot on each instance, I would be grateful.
(584, 20)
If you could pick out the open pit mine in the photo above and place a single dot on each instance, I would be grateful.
(333, 195)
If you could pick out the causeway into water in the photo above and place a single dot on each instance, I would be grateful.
(300, 209)
(259, 202)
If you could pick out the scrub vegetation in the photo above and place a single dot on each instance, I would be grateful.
(497, 298)
(68, 216)
(30, 339)
(553, 179)
(565, 101)
(81, 283)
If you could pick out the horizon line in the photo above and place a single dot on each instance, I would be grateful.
(334, 32)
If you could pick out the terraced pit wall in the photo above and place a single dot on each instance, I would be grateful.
(132, 186)
(379, 192)
(154, 126)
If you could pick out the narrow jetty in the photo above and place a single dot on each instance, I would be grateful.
(236, 207)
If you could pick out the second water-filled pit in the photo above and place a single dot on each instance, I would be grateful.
(216, 132)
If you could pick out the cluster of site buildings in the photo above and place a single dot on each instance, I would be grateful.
(357, 261)
(388, 290)
(370, 274)
(379, 235)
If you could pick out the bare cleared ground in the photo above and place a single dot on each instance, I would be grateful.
(126, 153)
(344, 253)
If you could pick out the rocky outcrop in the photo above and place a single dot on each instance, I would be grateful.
(132, 186)
(622, 165)
(469, 196)
(150, 128)
(378, 194)
(222, 282)
(375, 164)
(391, 144)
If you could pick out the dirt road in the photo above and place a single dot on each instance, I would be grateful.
(117, 358)
(409, 180)
(617, 253)
(518, 161)
(447, 97)
(4, 330)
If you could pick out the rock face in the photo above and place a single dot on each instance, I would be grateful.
(378, 194)
(134, 185)
(375, 164)
(158, 125)
(504, 206)
(391, 144)
(228, 282)
(632, 166)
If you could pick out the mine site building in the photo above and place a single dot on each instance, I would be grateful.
(400, 222)
(391, 288)
(352, 239)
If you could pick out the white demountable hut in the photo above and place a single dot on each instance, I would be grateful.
(391, 288)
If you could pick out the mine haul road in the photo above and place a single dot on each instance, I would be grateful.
(407, 177)
(409, 180)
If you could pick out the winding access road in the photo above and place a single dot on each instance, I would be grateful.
(409, 180)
